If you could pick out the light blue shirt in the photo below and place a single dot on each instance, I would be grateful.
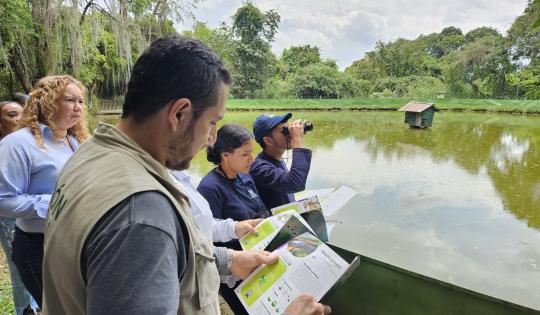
(28, 175)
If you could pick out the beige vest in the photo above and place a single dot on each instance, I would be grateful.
(104, 171)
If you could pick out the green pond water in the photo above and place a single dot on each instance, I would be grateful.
(459, 202)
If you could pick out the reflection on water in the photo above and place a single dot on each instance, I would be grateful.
(458, 202)
(510, 150)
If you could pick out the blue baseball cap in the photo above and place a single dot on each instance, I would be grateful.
(265, 123)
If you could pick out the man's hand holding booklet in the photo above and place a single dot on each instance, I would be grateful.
(306, 265)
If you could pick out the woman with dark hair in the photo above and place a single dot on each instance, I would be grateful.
(10, 113)
(230, 190)
(52, 127)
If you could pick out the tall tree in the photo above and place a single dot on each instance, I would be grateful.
(524, 38)
(537, 23)
(364, 69)
(480, 32)
(255, 32)
(524, 49)
(16, 37)
(219, 39)
(401, 58)
(483, 65)
(450, 39)
(94, 40)
(297, 57)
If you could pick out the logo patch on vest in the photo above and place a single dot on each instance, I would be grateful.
(58, 202)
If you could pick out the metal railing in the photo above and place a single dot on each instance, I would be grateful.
(109, 107)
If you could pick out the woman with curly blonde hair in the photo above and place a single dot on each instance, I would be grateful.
(51, 128)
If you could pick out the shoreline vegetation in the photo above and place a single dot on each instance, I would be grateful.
(6, 298)
(463, 105)
(502, 106)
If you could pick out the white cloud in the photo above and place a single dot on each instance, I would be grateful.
(346, 29)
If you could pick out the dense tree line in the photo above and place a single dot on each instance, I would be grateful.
(481, 63)
(98, 41)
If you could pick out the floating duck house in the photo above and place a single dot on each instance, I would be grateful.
(419, 115)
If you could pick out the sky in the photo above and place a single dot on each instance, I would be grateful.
(345, 30)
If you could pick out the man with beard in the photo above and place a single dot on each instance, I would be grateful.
(120, 236)
(275, 182)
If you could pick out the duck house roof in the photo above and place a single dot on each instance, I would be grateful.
(416, 107)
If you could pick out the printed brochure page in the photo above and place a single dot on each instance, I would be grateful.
(300, 206)
(322, 194)
(267, 229)
(306, 265)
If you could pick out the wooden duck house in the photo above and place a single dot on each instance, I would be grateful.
(419, 115)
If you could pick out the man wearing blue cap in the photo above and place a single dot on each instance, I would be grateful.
(275, 183)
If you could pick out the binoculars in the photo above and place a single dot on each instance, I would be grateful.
(307, 127)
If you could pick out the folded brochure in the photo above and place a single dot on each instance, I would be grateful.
(305, 265)
(288, 223)
(294, 227)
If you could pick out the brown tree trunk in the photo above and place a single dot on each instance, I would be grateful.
(10, 84)
(20, 68)
(85, 10)
(40, 9)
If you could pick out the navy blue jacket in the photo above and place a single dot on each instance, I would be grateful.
(275, 183)
(236, 198)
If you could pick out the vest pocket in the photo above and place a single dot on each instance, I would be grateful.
(207, 277)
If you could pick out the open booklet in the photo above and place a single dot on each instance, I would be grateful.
(327, 201)
(305, 265)
(284, 226)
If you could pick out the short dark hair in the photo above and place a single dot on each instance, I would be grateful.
(229, 137)
(4, 103)
(262, 144)
(174, 67)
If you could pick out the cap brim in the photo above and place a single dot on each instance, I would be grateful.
(283, 119)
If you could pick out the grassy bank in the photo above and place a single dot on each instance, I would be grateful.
(6, 299)
(479, 105)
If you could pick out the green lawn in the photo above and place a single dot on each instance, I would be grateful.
(6, 299)
(488, 105)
